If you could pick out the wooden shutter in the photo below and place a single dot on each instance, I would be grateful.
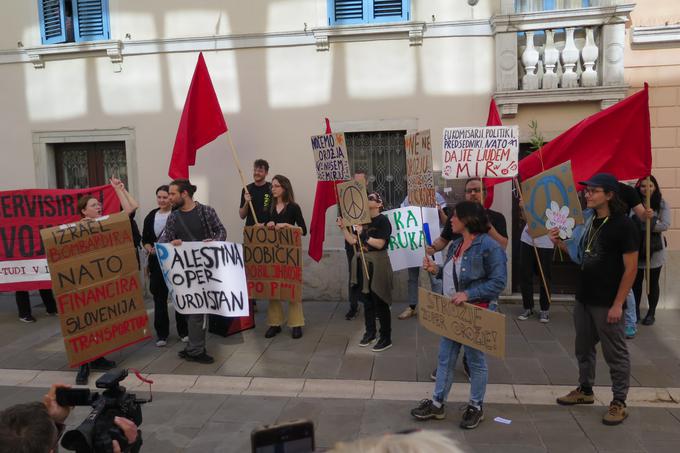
(52, 21)
(390, 10)
(91, 20)
(347, 12)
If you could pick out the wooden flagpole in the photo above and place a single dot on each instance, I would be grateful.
(240, 173)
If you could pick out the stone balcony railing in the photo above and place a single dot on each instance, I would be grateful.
(566, 55)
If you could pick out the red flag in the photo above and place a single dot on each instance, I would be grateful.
(201, 123)
(494, 119)
(616, 140)
(325, 198)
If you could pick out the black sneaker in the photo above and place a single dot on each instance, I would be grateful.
(272, 331)
(296, 332)
(83, 374)
(382, 344)
(352, 314)
(472, 417)
(201, 358)
(102, 364)
(427, 410)
(367, 339)
(28, 318)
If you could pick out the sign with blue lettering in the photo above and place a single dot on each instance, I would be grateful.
(550, 200)
(205, 277)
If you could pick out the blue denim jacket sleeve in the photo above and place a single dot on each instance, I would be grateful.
(495, 269)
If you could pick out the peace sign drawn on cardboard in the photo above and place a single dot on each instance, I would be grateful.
(353, 203)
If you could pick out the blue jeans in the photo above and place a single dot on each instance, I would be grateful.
(413, 274)
(479, 373)
(629, 314)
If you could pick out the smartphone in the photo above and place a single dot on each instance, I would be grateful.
(73, 397)
(290, 437)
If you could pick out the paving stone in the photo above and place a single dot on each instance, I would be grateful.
(258, 409)
(198, 410)
(323, 367)
(395, 368)
(356, 367)
(526, 371)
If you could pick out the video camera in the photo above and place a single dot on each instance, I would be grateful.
(96, 433)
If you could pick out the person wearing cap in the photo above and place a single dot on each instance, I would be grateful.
(606, 248)
(377, 288)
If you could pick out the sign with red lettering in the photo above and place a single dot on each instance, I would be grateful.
(205, 277)
(483, 152)
(420, 179)
(95, 281)
(273, 260)
(23, 213)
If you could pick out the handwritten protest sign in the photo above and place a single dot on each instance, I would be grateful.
(23, 213)
(205, 277)
(273, 261)
(95, 280)
(469, 325)
(353, 203)
(550, 200)
(420, 178)
(330, 156)
(484, 152)
(408, 238)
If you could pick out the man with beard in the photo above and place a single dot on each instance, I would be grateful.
(192, 221)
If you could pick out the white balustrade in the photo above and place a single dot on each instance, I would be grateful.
(566, 58)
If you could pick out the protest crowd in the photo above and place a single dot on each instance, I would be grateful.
(611, 230)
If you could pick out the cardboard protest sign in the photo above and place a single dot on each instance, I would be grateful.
(469, 325)
(420, 178)
(484, 152)
(408, 238)
(205, 277)
(353, 203)
(273, 259)
(95, 280)
(550, 200)
(330, 156)
(23, 213)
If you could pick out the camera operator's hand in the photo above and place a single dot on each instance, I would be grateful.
(129, 429)
(56, 412)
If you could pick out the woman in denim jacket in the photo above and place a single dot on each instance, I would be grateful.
(475, 272)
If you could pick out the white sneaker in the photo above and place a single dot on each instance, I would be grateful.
(184, 339)
(544, 316)
(161, 343)
(408, 313)
(526, 314)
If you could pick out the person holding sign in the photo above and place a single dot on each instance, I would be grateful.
(192, 221)
(474, 271)
(359, 175)
(373, 238)
(660, 214)
(607, 251)
(154, 224)
(90, 208)
(284, 213)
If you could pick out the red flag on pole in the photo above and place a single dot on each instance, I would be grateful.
(616, 140)
(494, 119)
(201, 123)
(325, 198)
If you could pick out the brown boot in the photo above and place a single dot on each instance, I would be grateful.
(577, 396)
(616, 414)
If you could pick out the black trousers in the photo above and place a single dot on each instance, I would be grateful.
(653, 296)
(160, 301)
(373, 307)
(353, 296)
(528, 267)
(24, 302)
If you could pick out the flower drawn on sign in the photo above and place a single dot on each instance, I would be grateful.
(558, 217)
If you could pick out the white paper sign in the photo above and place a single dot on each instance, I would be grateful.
(484, 152)
(205, 277)
(410, 229)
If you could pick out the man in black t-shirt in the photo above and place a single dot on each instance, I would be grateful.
(607, 253)
(259, 193)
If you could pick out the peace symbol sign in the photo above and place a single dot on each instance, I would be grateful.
(353, 202)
